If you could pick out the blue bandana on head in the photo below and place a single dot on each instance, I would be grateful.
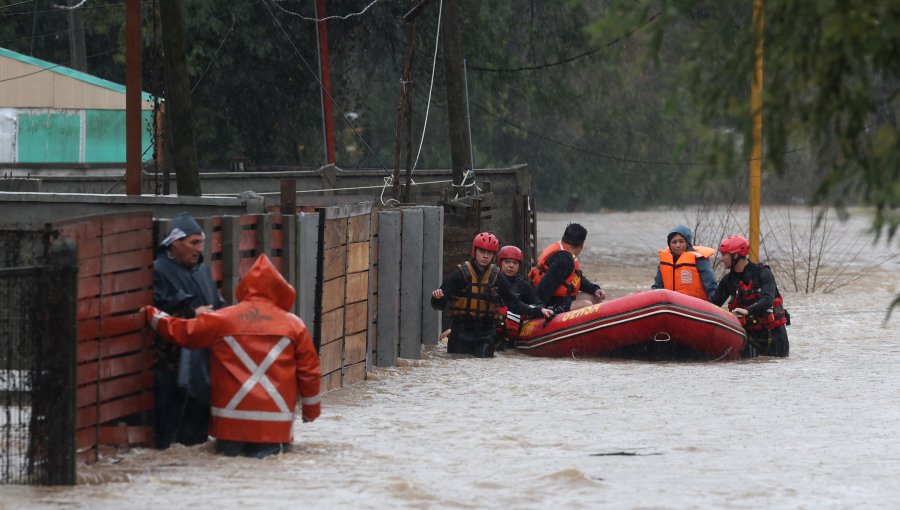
(183, 225)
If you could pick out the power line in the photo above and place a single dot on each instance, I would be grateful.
(573, 58)
(585, 151)
(322, 86)
(58, 9)
(222, 43)
(326, 18)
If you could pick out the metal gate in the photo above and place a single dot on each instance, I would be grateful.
(37, 370)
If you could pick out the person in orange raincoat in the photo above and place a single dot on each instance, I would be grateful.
(262, 357)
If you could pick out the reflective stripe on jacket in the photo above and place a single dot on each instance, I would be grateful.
(682, 275)
(476, 300)
(262, 358)
(572, 282)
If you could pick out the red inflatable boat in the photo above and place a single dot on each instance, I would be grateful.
(654, 324)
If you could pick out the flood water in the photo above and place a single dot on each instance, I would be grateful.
(820, 429)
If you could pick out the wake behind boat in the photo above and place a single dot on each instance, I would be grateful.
(656, 323)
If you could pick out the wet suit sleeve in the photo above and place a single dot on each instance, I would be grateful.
(504, 290)
(768, 291)
(451, 285)
(724, 290)
(587, 285)
(526, 292)
(559, 267)
(707, 276)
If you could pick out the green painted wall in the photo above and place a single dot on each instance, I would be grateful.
(54, 137)
(49, 137)
(105, 136)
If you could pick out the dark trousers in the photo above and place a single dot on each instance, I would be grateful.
(472, 337)
(247, 449)
(178, 418)
(770, 342)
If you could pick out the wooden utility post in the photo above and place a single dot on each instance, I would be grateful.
(456, 91)
(404, 108)
(133, 97)
(180, 119)
(325, 73)
(756, 108)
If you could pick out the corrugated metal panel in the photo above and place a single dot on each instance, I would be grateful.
(50, 137)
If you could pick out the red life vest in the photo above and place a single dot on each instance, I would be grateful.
(682, 275)
(476, 300)
(747, 294)
(570, 285)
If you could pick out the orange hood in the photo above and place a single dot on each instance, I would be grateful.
(265, 282)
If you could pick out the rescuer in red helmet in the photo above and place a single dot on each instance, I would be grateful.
(755, 299)
(511, 259)
(470, 294)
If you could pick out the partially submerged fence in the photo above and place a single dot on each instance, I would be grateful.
(37, 370)
(364, 278)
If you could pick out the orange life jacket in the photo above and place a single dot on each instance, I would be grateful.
(572, 283)
(476, 300)
(682, 275)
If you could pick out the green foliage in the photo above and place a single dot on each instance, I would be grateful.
(830, 88)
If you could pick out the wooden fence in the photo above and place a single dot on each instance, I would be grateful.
(363, 277)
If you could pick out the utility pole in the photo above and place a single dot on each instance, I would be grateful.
(77, 48)
(180, 118)
(404, 106)
(456, 98)
(133, 94)
(756, 109)
(325, 74)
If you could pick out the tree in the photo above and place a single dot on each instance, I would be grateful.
(831, 86)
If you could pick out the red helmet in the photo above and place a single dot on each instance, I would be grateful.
(485, 241)
(736, 245)
(510, 252)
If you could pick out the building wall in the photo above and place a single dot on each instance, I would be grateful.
(43, 135)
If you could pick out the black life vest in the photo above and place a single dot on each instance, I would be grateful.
(476, 300)
(747, 294)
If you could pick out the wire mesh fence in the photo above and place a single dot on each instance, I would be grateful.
(37, 362)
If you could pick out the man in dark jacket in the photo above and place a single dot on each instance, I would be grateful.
(183, 287)
(557, 277)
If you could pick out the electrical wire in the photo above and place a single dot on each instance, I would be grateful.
(568, 59)
(322, 86)
(437, 39)
(60, 9)
(326, 18)
(70, 7)
(222, 43)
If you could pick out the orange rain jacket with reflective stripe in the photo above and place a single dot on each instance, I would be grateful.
(262, 357)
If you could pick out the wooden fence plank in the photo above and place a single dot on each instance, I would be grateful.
(114, 367)
(357, 287)
(358, 228)
(130, 301)
(135, 383)
(332, 325)
(334, 262)
(354, 374)
(120, 324)
(331, 356)
(355, 348)
(124, 407)
(333, 292)
(356, 317)
(124, 261)
(117, 242)
(358, 257)
(139, 279)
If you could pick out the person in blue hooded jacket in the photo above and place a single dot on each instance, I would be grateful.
(684, 267)
(183, 287)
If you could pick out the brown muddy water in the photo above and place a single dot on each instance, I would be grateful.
(820, 429)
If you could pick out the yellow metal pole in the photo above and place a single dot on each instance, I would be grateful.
(756, 107)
